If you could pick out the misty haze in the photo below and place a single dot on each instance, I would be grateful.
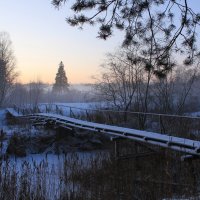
(100, 100)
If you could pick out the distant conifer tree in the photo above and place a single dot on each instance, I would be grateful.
(61, 84)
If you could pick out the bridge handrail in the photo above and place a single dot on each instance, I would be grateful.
(128, 112)
(17, 108)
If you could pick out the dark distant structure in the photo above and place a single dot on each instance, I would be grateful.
(61, 84)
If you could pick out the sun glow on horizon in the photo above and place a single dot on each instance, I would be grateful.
(41, 39)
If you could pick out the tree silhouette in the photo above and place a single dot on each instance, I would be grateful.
(161, 27)
(7, 66)
(61, 84)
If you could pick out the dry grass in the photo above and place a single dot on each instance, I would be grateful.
(101, 176)
(160, 176)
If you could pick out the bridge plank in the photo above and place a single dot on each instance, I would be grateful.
(176, 143)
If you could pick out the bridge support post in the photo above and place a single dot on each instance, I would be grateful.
(116, 149)
(140, 150)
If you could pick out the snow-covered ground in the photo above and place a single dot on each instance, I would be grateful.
(194, 114)
(10, 130)
(67, 108)
(88, 105)
(27, 130)
(58, 159)
(51, 166)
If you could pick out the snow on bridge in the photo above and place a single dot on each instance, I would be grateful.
(188, 146)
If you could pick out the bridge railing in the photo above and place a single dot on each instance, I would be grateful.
(175, 125)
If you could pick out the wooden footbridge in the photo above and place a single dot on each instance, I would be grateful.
(84, 119)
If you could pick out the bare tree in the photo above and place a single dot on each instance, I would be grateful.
(171, 93)
(163, 91)
(18, 95)
(36, 90)
(124, 81)
(7, 66)
(185, 80)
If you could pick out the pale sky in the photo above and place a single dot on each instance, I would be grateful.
(41, 39)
